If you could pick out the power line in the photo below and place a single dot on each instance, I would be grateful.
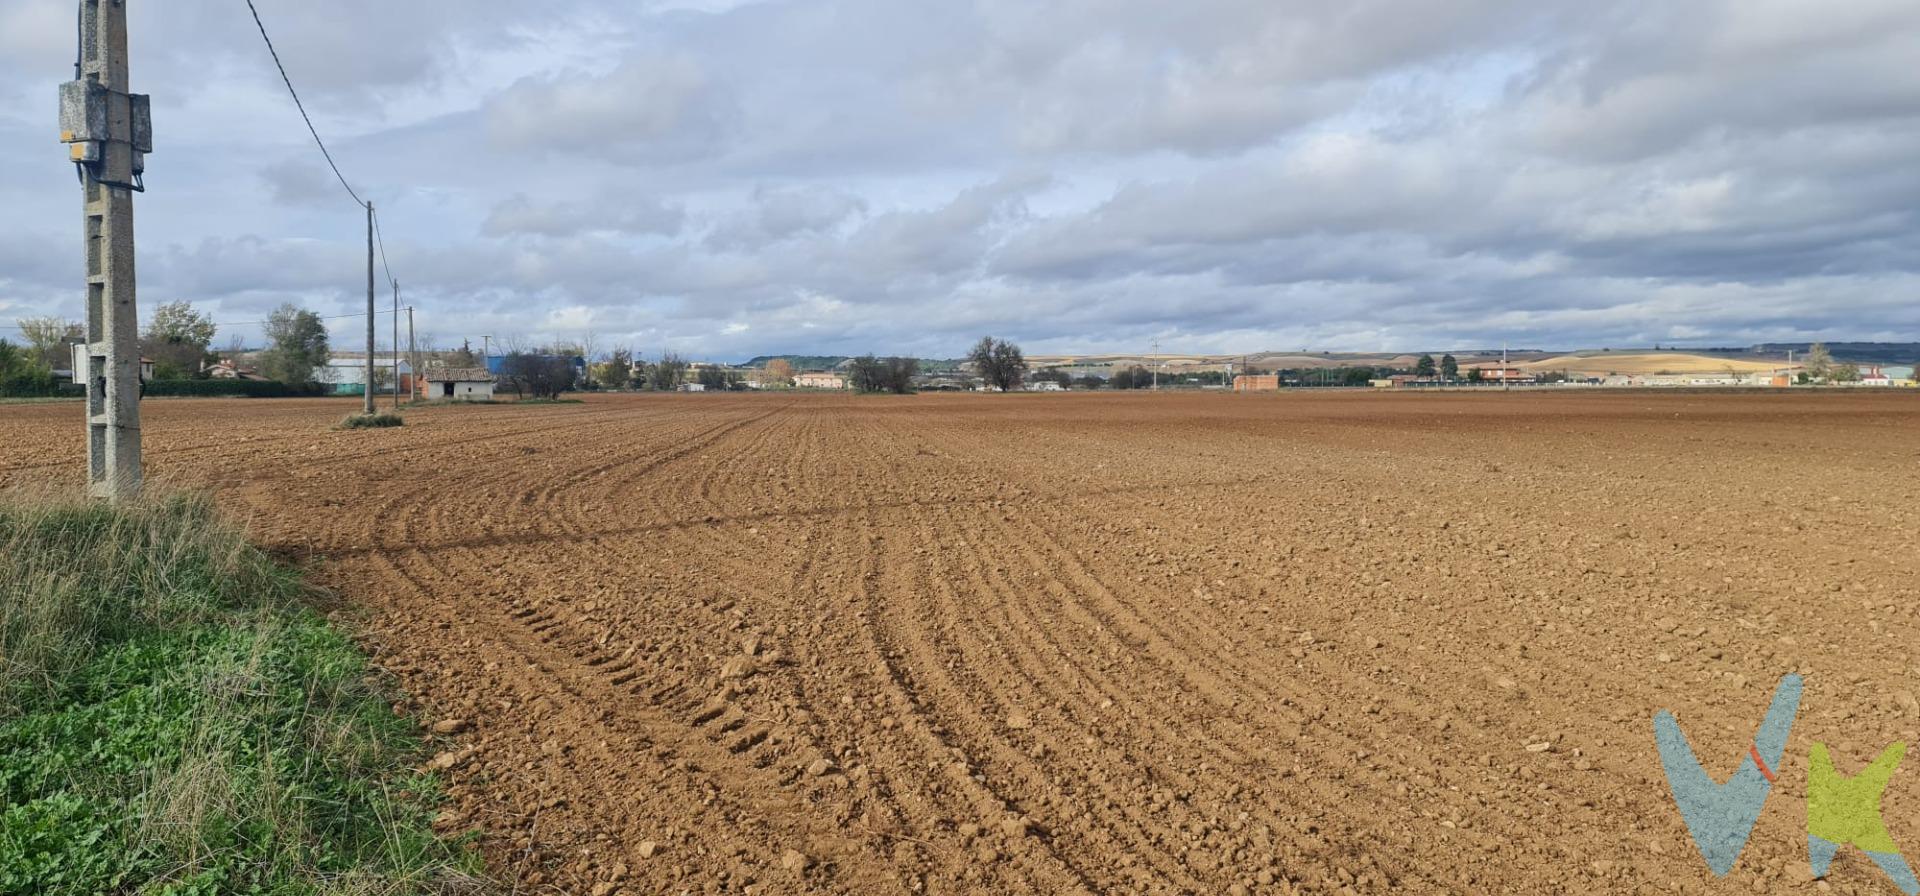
(302, 106)
(373, 221)
(252, 323)
(381, 238)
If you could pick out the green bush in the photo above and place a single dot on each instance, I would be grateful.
(22, 377)
(174, 721)
(232, 389)
(372, 421)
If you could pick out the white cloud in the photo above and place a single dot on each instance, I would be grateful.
(644, 110)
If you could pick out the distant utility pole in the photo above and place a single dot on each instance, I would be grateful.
(396, 345)
(1156, 365)
(109, 132)
(367, 407)
(413, 361)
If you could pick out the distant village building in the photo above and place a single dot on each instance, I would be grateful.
(1875, 376)
(692, 387)
(1500, 375)
(226, 369)
(820, 381)
(459, 384)
(348, 375)
(1045, 386)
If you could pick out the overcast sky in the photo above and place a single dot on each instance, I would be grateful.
(728, 178)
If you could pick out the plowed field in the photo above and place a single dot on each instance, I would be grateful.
(1102, 643)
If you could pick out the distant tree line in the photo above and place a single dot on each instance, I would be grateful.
(719, 379)
(178, 339)
(1135, 377)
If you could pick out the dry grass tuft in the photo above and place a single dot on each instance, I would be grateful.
(174, 719)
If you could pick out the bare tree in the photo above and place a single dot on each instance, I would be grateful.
(48, 337)
(669, 373)
(999, 362)
(590, 351)
(779, 372)
(1819, 363)
(545, 375)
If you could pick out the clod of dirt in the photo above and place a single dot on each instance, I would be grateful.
(449, 759)
(1019, 721)
(820, 767)
(795, 860)
(450, 726)
(648, 849)
(1016, 826)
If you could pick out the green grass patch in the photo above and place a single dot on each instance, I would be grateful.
(372, 421)
(175, 721)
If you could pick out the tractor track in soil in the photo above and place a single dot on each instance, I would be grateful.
(1097, 644)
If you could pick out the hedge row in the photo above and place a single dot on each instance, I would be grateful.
(30, 384)
(232, 389)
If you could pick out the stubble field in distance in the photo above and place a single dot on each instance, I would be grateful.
(1100, 643)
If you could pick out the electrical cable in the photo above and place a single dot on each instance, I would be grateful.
(302, 106)
(381, 239)
(373, 214)
(253, 323)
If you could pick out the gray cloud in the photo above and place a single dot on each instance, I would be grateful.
(645, 110)
(729, 178)
(779, 214)
(634, 215)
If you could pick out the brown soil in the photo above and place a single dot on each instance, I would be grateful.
(1101, 644)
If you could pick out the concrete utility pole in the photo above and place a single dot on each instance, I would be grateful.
(413, 361)
(1156, 365)
(396, 345)
(109, 132)
(367, 407)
